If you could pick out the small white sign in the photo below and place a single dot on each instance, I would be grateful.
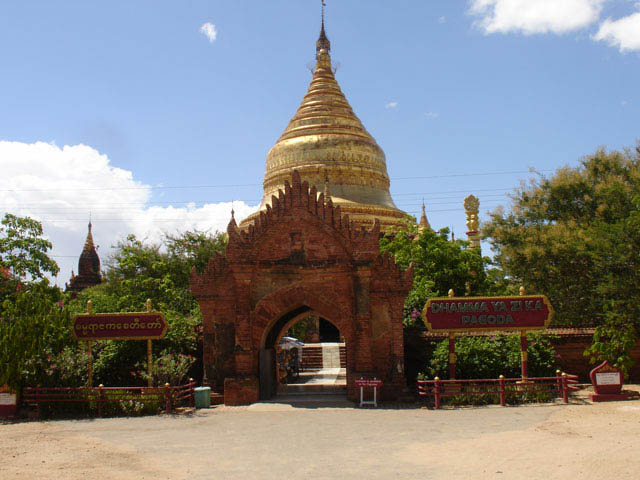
(608, 378)
(7, 399)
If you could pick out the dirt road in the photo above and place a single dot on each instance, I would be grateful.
(275, 441)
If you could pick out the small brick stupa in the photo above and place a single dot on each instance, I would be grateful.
(88, 268)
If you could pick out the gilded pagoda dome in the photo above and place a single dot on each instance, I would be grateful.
(331, 149)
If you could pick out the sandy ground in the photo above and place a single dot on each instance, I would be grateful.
(277, 441)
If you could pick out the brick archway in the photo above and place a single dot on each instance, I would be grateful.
(318, 297)
(301, 254)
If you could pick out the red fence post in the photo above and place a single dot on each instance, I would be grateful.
(565, 389)
(437, 392)
(192, 392)
(559, 381)
(167, 395)
(503, 399)
(38, 401)
(100, 393)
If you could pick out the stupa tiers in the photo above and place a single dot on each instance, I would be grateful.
(88, 267)
(331, 150)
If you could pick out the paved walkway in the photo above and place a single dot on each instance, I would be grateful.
(276, 441)
(330, 355)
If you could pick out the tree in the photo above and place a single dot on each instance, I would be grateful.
(23, 250)
(138, 271)
(575, 237)
(33, 319)
(34, 324)
(439, 265)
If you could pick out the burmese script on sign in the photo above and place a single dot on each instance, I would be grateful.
(120, 326)
(496, 313)
(609, 378)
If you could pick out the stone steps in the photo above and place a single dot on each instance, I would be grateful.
(302, 389)
(312, 357)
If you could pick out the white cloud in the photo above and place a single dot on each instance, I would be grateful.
(534, 16)
(623, 33)
(431, 114)
(391, 105)
(208, 29)
(442, 19)
(61, 186)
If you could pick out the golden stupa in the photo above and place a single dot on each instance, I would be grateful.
(330, 148)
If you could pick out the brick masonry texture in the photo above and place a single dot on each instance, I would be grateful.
(301, 256)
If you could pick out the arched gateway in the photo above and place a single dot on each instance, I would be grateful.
(300, 256)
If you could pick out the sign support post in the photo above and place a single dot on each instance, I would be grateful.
(452, 356)
(524, 355)
(149, 360)
(89, 354)
(452, 347)
(149, 351)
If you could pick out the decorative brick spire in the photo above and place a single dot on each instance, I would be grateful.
(88, 266)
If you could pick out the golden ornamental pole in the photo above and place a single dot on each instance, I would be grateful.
(149, 352)
(471, 209)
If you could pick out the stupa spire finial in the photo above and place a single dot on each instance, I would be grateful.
(88, 243)
(323, 41)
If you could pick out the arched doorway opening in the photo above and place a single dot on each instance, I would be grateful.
(303, 353)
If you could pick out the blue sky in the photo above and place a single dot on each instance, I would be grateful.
(163, 127)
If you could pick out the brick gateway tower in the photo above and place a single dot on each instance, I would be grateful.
(301, 256)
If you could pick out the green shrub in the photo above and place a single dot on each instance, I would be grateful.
(167, 368)
(512, 397)
(490, 357)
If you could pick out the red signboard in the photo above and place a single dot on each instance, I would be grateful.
(119, 326)
(368, 383)
(451, 314)
(607, 383)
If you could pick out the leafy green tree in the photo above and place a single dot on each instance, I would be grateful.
(34, 324)
(439, 265)
(34, 321)
(161, 272)
(576, 238)
(23, 250)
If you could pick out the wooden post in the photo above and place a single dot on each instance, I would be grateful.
(149, 363)
(149, 352)
(89, 364)
(452, 346)
(100, 399)
(503, 399)
(452, 356)
(524, 355)
(89, 354)
(565, 389)
(192, 393)
(167, 396)
(436, 389)
(559, 377)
